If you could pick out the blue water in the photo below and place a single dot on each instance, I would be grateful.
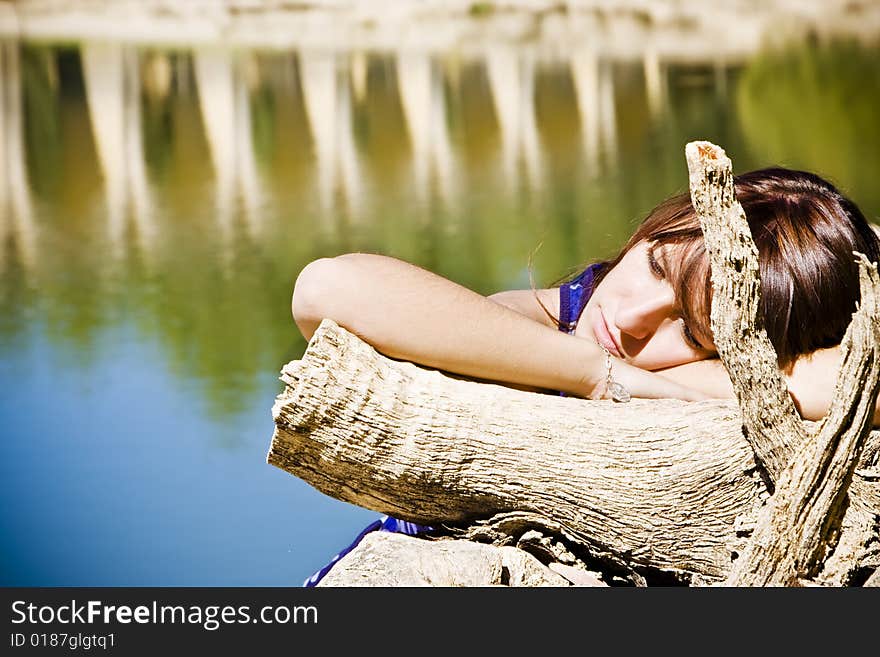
(112, 475)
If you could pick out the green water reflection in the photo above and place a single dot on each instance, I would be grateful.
(181, 192)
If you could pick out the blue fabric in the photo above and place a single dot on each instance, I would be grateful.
(383, 524)
(573, 297)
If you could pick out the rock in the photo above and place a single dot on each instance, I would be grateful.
(397, 560)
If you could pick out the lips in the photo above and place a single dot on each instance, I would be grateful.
(603, 335)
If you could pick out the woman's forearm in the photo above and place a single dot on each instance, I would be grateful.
(811, 381)
(409, 313)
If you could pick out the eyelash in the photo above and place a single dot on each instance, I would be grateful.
(656, 269)
(686, 332)
(689, 337)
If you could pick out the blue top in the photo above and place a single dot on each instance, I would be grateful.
(573, 297)
(383, 524)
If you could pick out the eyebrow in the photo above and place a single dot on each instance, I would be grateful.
(656, 248)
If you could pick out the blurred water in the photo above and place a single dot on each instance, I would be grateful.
(157, 204)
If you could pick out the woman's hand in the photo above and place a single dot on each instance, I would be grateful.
(650, 385)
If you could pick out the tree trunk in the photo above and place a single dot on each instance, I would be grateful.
(702, 491)
(657, 484)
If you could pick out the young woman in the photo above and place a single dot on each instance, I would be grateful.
(635, 325)
(646, 312)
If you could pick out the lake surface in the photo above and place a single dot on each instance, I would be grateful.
(156, 206)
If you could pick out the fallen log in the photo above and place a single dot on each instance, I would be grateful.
(699, 492)
(659, 484)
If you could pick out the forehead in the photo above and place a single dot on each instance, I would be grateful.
(676, 257)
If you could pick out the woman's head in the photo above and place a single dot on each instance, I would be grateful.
(653, 300)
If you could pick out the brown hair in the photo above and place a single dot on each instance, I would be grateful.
(805, 231)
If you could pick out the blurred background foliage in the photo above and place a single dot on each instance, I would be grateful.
(157, 203)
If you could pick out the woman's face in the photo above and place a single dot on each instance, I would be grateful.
(634, 314)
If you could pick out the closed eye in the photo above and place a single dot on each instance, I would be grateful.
(654, 266)
(658, 271)
(690, 338)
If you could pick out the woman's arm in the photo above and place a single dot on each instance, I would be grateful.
(811, 381)
(708, 376)
(409, 313)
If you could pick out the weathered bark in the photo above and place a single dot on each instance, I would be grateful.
(795, 531)
(770, 419)
(800, 524)
(653, 486)
(658, 484)
(858, 550)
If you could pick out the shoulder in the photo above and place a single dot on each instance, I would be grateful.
(529, 303)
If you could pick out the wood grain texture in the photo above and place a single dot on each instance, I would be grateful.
(770, 419)
(801, 523)
(658, 483)
(701, 490)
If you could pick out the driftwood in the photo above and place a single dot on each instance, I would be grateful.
(657, 490)
(811, 471)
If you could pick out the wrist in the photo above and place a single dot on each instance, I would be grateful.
(608, 385)
(614, 389)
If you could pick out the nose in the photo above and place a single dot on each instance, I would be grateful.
(640, 315)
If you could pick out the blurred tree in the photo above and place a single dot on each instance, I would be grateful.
(816, 109)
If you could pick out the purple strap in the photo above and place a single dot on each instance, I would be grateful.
(383, 524)
(573, 298)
